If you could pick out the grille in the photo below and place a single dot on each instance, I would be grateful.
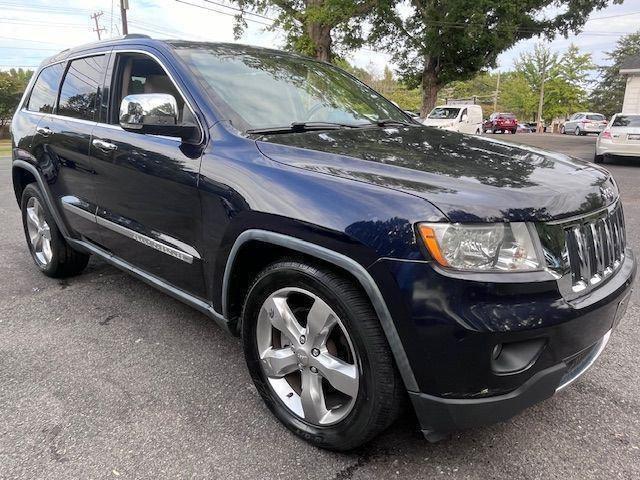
(595, 248)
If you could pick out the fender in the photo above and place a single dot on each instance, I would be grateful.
(358, 271)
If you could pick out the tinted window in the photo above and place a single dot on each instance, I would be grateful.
(507, 116)
(626, 121)
(80, 88)
(597, 117)
(45, 90)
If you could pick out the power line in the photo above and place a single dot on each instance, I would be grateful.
(224, 13)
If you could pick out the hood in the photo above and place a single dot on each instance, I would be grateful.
(469, 178)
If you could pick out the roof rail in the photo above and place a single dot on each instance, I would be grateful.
(135, 35)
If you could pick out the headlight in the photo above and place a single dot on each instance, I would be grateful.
(499, 247)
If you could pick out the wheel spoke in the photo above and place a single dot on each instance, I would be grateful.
(341, 375)
(312, 397)
(278, 362)
(282, 318)
(37, 246)
(32, 217)
(46, 249)
(320, 321)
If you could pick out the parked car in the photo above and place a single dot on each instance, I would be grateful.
(533, 126)
(501, 123)
(582, 123)
(524, 128)
(361, 258)
(620, 137)
(456, 118)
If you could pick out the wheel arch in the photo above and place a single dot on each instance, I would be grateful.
(272, 245)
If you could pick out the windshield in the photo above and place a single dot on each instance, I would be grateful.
(261, 89)
(626, 121)
(597, 117)
(506, 116)
(444, 113)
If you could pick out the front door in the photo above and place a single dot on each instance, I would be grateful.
(149, 211)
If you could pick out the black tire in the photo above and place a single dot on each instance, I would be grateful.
(381, 392)
(562, 130)
(578, 132)
(598, 158)
(65, 261)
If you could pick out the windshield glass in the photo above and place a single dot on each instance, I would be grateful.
(506, 116)
(596, 117)
(261, 88)
(626, 121)
(444, 113)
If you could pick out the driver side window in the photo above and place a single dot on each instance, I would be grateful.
(137, 73)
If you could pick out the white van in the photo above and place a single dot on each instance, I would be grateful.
(456, 118)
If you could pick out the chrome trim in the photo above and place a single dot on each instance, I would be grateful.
(342, 261)
(145, 240)
(152, 280)
(81, 212)
(587, 362)
(104, 146)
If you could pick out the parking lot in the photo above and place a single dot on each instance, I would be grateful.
(102, 376)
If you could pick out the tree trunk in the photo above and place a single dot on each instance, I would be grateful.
(430, 89)
(320, 36)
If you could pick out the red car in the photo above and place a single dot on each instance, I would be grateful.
(500, 122)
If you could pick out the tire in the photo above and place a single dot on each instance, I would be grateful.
(49, 250)
(577, 132)
(380, 392)
(598, 158)
(513, 132)
(562, 130)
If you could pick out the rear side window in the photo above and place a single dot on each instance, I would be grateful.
(80, 88)
(597, 117)
(45, 90)
(626, 121)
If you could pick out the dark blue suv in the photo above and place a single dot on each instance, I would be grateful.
(362, 257)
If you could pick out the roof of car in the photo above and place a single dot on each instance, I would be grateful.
(145, 40)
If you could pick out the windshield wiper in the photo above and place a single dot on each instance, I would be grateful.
(386, 122)
(299, 127)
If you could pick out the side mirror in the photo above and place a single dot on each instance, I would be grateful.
(464, 118)
(154, 114)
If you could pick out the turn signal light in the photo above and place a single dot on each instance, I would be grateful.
(431, 241)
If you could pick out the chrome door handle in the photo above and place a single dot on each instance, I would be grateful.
(104, 146)
(44, 131)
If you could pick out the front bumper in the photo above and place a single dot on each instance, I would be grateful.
(452, 326)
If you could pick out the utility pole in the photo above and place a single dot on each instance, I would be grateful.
(98, 29)
(495, 96)
(543, 77)
(124, 6)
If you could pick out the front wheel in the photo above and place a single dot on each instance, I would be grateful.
(562, 130)
(51, 253)
(318, 357)
(578, 132)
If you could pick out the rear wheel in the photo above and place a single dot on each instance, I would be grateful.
(598, 158)
(51, 253)
(577, 131)
(562, 130)
(318, 356)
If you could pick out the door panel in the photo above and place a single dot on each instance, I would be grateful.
(149, 211)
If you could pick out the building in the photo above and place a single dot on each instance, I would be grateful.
(631, 69)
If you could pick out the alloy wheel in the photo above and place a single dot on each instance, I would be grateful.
(307, 356)
(39, 232)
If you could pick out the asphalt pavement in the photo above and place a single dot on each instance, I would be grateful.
(102, 376)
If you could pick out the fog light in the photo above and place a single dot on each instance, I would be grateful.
(515, 357)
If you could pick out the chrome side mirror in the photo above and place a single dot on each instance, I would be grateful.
(154, 114)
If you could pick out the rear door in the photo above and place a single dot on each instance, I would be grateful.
(149, 211)
(62, 143)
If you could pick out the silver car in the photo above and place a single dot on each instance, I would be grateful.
(621, 137)
(582, 123)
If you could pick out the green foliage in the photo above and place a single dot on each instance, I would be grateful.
(440, 41)
(517, 96)
(12, 85)
(608, 94)
(318, 28)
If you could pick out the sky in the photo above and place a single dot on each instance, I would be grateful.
(33, 30)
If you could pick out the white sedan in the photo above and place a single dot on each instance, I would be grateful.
(620, 137)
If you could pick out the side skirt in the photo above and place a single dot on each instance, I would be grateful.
(152, 280)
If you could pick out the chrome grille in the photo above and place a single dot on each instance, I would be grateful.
(595, 247)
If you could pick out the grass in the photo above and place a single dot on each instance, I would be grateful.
(5, 148)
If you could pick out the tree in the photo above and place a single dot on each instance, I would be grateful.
(314, 27)
(574, 69)
(12, 86)
(517, 96)
(439, 41)
(608, 94)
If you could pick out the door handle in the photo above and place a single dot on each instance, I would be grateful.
(44, 131)
(104, 146)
